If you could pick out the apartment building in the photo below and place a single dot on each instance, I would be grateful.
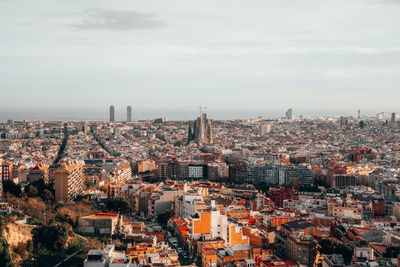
(69, 180)
(40, 171)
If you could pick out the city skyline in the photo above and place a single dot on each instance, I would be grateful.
(120, 114)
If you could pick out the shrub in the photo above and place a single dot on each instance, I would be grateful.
(5, 258)
(52, 237)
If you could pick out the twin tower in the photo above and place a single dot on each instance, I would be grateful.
(128, 113)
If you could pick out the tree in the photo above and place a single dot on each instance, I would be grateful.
(118, 205)
(327, 246)
(309, 189)
(32, 191)
(42, 257)
(262, 187)
(47, 195)
(35, 207)
(346, 250)
(29, 245)
(5, 258)
(52, 237)
(70, 213)
(392, 252)
(41, 186)
(164, 217)
(21, 248)
(331, 246)
(295, 183)
(10, 187)
(118, 229)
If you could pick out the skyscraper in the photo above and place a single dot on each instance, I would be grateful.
(112, 118)
(394, 117)
(289, 113)
(128, 113)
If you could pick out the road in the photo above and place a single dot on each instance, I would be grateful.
(182, 260)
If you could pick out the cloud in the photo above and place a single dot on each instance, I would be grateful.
(98, 19)
(337, 74)
(384, 72)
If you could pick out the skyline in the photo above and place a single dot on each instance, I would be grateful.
(185, 113)
(339, 55)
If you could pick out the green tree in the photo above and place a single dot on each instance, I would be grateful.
(309, 189)
(331, 246)
(392, 252)
(118, 205)
(29, 245)
(164, 217)
(47, 195)
(327, 246)
(10, 187)
(5, 258)
(346, 250)
(262, 187)
(41, 186)
(42, 257)
(32, 191)
(52, 237)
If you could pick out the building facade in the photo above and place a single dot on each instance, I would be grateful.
(112, 113)
(69, 180)
(128, 113)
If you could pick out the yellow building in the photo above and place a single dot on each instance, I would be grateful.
(235, 236)
(202, 225)
(146, 165)
(141, 250)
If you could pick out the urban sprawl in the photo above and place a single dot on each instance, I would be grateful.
(292, 191)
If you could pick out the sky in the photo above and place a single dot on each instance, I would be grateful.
(71, 59)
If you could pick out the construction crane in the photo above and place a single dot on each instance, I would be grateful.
(200, 107)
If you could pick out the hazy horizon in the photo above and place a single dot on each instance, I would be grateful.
(170, 114)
